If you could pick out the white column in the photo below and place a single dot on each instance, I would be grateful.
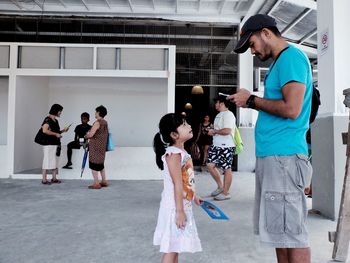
(246, 160)
(11, 109)
(245, 72)
(333, 77)
(171, 78)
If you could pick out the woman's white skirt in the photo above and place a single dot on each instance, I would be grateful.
(50, 160)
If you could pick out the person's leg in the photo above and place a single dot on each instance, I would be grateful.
(54, 174)
(103, 183)
(45, 165)
(299, 255)
(69, 153)
(95, 176)
(72, 145)
(169, 257)
(44, 174)
(282, 255)
(176, 258)
(227, 181)
(56, 161)
(215, 174)
(205, 154)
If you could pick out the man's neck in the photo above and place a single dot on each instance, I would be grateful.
(277, 49)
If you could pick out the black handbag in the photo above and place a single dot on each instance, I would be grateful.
(41, 138)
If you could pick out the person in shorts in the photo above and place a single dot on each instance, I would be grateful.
(220, 154)
(283, 169)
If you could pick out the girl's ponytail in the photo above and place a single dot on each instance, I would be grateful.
(159, 149)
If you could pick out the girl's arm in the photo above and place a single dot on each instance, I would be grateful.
(93, 130)
(174, 165)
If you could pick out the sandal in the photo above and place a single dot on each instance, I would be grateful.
(103, 183)
(56, 181)
(45, 182)
(95, 186)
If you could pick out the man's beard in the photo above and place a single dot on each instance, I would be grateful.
(264, 58)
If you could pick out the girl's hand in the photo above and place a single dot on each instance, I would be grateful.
(197, 200)
(180, 219)
(58, 135)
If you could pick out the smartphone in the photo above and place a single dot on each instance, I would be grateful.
(223, 94)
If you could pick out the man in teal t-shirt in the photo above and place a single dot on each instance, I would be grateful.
(282, 167)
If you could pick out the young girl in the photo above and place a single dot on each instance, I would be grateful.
(176, 229)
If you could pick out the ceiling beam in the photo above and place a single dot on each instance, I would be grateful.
(41, 5)
(296, 20)
(128, 35)
(15, 2)
(108, 4)
(86, 6)
(273, 8)
(221, 6)
(131, 6)
(305, 3)
(307, 36)
(62, 3)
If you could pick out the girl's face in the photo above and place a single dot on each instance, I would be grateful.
(184, 131)
(206, 118)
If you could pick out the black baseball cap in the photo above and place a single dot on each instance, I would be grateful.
(253, 24)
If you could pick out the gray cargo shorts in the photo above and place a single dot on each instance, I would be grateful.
(280, 210)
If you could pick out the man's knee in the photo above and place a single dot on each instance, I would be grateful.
(211, 165)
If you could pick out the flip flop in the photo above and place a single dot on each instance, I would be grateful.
(56, 181)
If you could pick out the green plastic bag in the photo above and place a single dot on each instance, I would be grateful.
(238, 141)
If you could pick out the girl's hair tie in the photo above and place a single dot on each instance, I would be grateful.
(166, 144)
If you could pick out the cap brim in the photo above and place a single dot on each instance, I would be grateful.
(243, 43)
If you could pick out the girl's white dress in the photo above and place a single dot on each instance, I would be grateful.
(167, 235)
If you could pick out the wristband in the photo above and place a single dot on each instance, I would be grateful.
(251, 102)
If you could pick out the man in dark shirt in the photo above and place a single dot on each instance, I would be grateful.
(80, 132)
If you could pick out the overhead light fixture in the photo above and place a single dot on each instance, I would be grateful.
(197, 89)
(188, 106)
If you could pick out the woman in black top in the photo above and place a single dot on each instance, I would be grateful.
(51, 129)
(203, 139)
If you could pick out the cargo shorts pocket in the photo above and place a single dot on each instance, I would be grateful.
(293, 213)
(274, 212)
(304, 171)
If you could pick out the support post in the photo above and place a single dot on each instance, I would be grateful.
(341, 237)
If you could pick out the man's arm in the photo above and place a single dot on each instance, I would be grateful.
(288, 107)
(224, 131)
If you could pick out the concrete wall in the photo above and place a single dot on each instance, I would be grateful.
(4, 91)
(32, 96)
(328, 161)
(134, 105)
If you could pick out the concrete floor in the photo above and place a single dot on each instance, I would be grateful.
(69, 223)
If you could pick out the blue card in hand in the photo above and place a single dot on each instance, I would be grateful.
(213, 211)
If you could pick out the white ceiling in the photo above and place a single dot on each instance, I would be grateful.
(296, 19)
(230, 11)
